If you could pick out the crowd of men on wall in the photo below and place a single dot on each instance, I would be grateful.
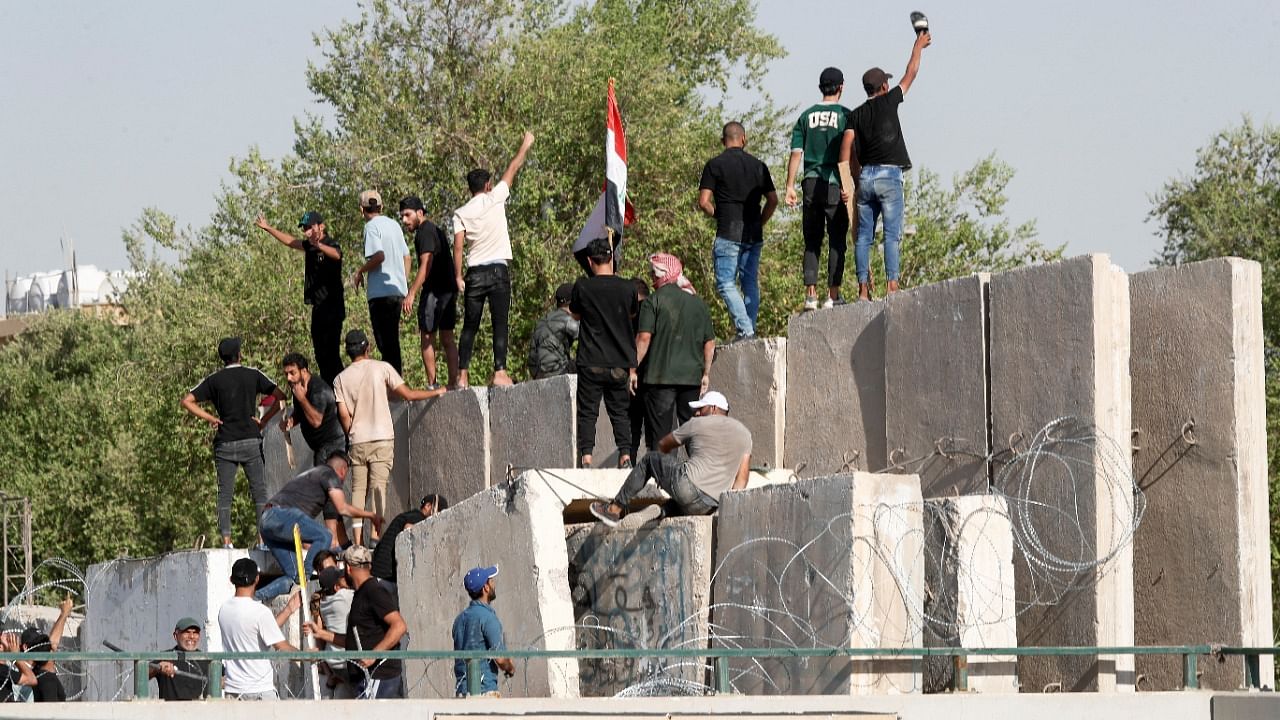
(643, 348)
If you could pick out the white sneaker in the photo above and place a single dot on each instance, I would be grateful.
(830, 303)
(810, 303)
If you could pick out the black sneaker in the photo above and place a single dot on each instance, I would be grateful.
(600, 509)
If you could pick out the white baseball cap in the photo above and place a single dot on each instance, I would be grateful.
(712, 399)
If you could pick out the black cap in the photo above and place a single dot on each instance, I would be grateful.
(309, 218)
(873, 79)
(413, 202)
(564, 293)
(357, 343)
(831, 77)
(244, 572)
(229, 349)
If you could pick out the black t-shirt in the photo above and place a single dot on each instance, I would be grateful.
(384, 556)
(877, 134)
(607, 308)
(430, 239)
(234, 392)
(322, 279)
(191, 682)
(329, 434)
(738, 182)
(309, 490)
(365, 626)
(10, 677)
(48, 687)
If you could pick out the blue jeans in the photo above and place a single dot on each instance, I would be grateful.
(738, 264)
(277, 533)
(879, 194)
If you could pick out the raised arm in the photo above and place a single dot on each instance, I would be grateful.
(517, 162)
(913, 65)
(287, 239)
(55, 632)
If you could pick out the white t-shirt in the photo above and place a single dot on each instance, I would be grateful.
(484, 220)
(334, 610)
(248, 626)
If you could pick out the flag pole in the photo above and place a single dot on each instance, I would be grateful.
(309, 641)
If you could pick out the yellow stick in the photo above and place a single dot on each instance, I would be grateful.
(306, 607)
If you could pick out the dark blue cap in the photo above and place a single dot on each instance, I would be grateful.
(477, 577)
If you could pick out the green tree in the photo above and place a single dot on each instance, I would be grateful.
(1230, 205)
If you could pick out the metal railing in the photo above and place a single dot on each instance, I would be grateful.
(720, 658)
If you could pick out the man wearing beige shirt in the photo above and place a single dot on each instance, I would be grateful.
(363, 391)
(480, 226)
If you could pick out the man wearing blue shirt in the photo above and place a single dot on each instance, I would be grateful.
(387, 264)
(478, 628)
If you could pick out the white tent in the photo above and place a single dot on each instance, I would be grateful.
(16, 301)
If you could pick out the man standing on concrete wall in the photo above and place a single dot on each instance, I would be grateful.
(387, 264)
(815, 141)
(296, 505)
(364, 409)
(732, 187)
(315, 410)
(478, 628)
(675, 346)
(248, 626)
(876, 134)
(321, 287)
(481, 225)
(233, 391)
(438, 310)
(605, 306)
(553, 338)
(719, 450)
(182, 679)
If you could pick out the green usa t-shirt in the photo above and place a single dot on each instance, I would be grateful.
(817, 133)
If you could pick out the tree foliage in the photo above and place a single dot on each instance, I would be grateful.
(1230, 205)
(416, 94)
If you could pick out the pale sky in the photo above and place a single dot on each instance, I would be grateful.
(109, 107)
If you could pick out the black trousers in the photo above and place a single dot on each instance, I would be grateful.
(490, 283)
(666, 407)
(609, 384)
(636, 416)
(326, 338)
(824, 214)
(384, 315)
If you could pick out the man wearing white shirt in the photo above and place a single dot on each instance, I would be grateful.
(248, 626)
(480, 226)
(387, 264)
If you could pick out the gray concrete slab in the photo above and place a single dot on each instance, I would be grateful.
(519, 528)
(822, 562)
(1060, 348)
(835, 405)
(936, 385)
(449, 444)
(1201, 568)
(531, 425)
(753, 377)
(275, 455)
(970, 602)
(641, 587)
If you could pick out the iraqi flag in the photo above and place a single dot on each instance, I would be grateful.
(612, 211)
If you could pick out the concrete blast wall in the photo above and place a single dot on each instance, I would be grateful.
(835, 391)
(641, 587)
(449, 445)
(1200, 555)
(1060, 347)
(753, 377)
(824, 562)
(519, 528)
(531, 425)
(936, 385)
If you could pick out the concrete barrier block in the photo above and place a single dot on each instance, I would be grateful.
(835, 403)
(971, 597)
(519, 528)
(823, 562)
(275, 456)
(1060, 349)
(936, 385)
(641, 587)
(1201, 553)
(531, 425)
(753, 377)
(449, 444)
